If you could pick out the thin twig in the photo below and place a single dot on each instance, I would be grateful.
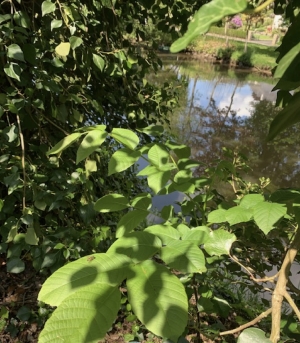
(292, 303)
(245, 326)
(293, 288)
(23, 161)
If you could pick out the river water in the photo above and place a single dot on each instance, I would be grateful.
(222, 107)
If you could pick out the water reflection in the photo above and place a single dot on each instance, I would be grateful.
(221, 107)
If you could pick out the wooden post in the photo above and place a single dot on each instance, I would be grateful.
(274, 39)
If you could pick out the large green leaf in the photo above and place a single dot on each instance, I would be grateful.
(184, 256)
(157, 179)
(219, 242)
(165, 233)
(217, 216)
(158, 156)
(253, 335)
(198, 235)
(63, 49)
(83, 317)
(90, 143)
(250, 200)
(126, 137)
(266, 214)
(285, 118)
(208, 14)
(111, 203)
(238, 214)
(122, 159)
(130, 221)
(286, 61)
(142, 201)
(138, 246)
(158, 299)
(97, 268)
(64, 143)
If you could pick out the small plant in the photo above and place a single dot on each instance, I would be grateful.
(236, 22)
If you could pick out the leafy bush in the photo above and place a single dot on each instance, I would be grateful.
(230, 32)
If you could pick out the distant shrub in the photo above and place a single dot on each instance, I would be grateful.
(224, 53)
(230, 32)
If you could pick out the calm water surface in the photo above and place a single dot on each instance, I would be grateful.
(221, 107)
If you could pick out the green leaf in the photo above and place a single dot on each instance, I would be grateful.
(90, 143)
(84, 317)
(142, 201)
(126, 137)
(13, 70)
(153, 130)
(63, 49)
(56, 23)
(250, 200)
(111, 203)
(99, 62)
(157, 179)
(253, 335)
(158, 299)
(122, 160)
(158, 156)
(165, 233)
(217, 216)
(48, 7)
(208, 14)
(75, 42)
(130, 221)
(31, 237)
(237, 215)
(184, 256)
(138, 246)
(64, 143)
(286, 61)
(14, 51)
(286, 117)
(15, 265)
(266, 214)
(198, 235)
(219, 242)
(22, 19)
(94, 269)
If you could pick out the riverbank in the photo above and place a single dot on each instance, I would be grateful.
(211, 49)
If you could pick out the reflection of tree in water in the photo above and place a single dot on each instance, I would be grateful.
(207, 129)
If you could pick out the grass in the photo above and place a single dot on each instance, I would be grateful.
(260, 56)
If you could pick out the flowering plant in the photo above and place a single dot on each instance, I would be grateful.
(236, 21)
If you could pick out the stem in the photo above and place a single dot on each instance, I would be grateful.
(197, 312)
(259, 8)
(245, 326)
(23, 161)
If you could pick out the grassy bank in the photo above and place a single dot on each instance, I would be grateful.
(258, 56)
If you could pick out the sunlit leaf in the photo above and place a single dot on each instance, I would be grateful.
(111, 203)
(238, 214)
(99, 62)
(138, 246)
(165, 233)
(126, 137)
(64, 143)
(122, 160)
(184, 256)
(90, 143)
(63, 49)
(83, 317)
(253, 335)
(219, 242)
(158, 299)
(130, 221)
(14, 51)
(266, 215)
(48, 7)
(94, 269)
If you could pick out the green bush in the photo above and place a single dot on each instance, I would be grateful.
(230, 32)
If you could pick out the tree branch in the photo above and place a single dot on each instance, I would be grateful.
(245, 326)
(292, 304)
(280, 289)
